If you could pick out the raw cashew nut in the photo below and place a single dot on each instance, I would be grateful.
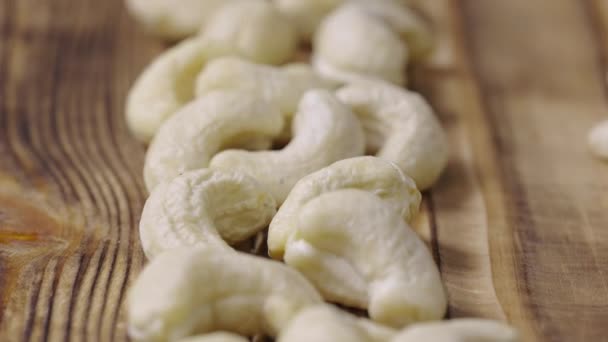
(192, 291)
(414, 31)
(400, 126)
(283, 87)
(204, 207)
(353, 45)
(252, 29)
(459, 330)
(171, 19)
(322, 323)
(371, 174)
(164, 86)
(325, 131)
(223, 119)
(358, 251)
(598, 140)
(216, 337)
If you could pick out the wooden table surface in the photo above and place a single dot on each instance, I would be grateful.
(518, 223)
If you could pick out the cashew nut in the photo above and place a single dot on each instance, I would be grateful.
(282, 87)
(325, 131)
(353, 45)
(598, 140)
(322, 323)
(191, 291)
(400, 126)
(251, 29)
(375, 175)
(165, 86)
(459, 330)
(204, 207)
(358, 251)
(223, 119)
(216, 337)
(173, 19)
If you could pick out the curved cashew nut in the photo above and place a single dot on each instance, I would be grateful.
(251, 29)
(325, 131)
(283, 87)
(216, 337)
(598, 140)
(459, 330)
(375, 175)
(400, 126)
(254, 29)
(197, 290)
(223, 119)
(359, 252)
(204, 207)
(351, 45)
(323, 323)
(171, 19)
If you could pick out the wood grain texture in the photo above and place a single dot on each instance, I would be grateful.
(518, 224)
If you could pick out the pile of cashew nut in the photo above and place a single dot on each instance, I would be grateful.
(324, 161)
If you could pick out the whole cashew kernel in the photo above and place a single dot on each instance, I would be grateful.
(282, 87)
(598, 140)
(191, 291)
(164, 86)
(353, 45)
(371, 174)
(220, 120)
(252, 29)
(216, 337)
(204, 207)
(358, 251)
(325, 131)
(400, 126)
(323, 323)
(171, 19)
(459, 330)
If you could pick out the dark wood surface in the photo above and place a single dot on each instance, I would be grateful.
(518, 224)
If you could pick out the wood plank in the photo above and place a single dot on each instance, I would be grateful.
(70, 184)
(542, 89)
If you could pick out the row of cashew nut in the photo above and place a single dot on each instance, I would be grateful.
(211, 111)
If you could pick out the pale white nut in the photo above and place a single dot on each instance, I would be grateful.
(325, 131)
(173, 19)
(353, 45)
(190, 291)
(220, 120)
(598, 140)
(283, 87)
(371, 174)
(252, 29)
(323, 323)
(163, 87)
(414, 31)
(204, 207)
(358, 251)
(216, 337)
(307, 14)
(459, 330)
(400, 126)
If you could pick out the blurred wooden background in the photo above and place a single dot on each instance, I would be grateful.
(518, 224)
